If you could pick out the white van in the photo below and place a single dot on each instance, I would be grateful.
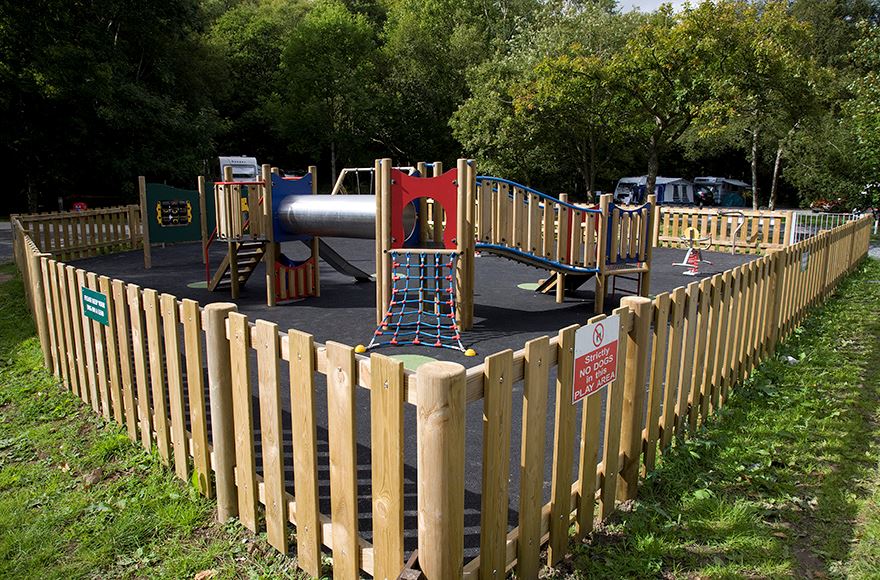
(243, 168)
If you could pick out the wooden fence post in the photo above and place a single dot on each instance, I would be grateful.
(40, 314)
(775, 313)
(790, 217)
(634, 394)
(601, 250)
(220, 394)
(651, 232)
(316, 242)
(441, 413)
(145, 235)
(203, 217)
(272, 248)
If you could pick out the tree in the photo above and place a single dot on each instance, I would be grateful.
(666, 70)
(864, 107)
(767, 88)
(99, 92)
(328, 83)
(249, 38)
(541, 111)
(430, 46)
(565, 90)
(837, 155)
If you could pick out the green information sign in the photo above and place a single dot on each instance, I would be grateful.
(94, 305)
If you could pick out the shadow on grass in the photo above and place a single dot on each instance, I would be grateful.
(771, 487)
(16, 324)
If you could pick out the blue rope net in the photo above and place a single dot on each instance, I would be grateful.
(422, 306)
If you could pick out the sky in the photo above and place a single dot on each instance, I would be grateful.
(647, 5)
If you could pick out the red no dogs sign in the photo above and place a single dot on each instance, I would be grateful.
(595, 357)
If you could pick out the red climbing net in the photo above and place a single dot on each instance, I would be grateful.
(422, 306)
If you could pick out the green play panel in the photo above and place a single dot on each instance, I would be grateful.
(531, 286)
(413, 361)
(201, 284)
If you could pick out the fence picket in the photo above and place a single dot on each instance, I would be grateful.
(157, 375)
(589, 454)
(673, 366)
(267, 343)
(497, 403)
(123, 334)
(195, 387)
(704, 297)
(171, 334)
(305, 461)
(656, 387)
(103, 385)
(686, 379)
(60, 355)
(536, 360)
(88, 345)
(112, 351)
(613, 421)
(51, 328)
(139, 354)
(563, 448)
(69, 353)
(386, 436)
(341, 385)
(74, 293)
(738, 280)
(243, 418)
(713, 329)
(720, 353)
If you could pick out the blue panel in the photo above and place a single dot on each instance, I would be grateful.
(282, 188)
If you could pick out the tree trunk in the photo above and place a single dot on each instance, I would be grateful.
(594, 166)
(332, 161)
(653, 167)
(754, 160)
(584, 168)
(32, 197)
(777, 165)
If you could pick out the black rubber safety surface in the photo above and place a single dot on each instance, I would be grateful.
(505, 315)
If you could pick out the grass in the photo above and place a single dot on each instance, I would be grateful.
(79, 500)
(784, 481)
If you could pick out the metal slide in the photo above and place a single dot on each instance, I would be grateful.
(340, 264)
(533, 260)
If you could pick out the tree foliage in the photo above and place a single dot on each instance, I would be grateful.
(566, 95)
(95, 93)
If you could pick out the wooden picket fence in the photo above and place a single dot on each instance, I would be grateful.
(740, 230)
(204, 387)
(680, 356)
(71, 235)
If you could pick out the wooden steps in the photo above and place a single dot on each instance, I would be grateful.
(246, 255)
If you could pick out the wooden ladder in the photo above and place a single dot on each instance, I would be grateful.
(247, 255)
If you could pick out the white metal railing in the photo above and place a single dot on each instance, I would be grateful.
(809, 223)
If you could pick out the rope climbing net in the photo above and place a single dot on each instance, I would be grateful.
(422, 306)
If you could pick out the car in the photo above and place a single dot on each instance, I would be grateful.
(704, 196)
(824, 205)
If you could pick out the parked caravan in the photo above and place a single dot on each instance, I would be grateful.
(725, 192)
(669, 190)
(243, 168)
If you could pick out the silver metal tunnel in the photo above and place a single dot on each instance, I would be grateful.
(335, 216)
